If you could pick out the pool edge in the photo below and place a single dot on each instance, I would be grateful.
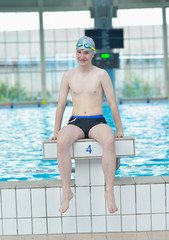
(31, 207)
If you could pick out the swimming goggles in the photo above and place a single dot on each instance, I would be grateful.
(86, 45)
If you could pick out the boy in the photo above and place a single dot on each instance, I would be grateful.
(87, 85)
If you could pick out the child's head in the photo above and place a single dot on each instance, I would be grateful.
(86, 43)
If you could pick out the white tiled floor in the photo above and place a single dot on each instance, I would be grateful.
(71, 212)
(143, 198)
(83, 201)
(99, 223)
(24, 226)
(144, 222)
(23, 203)
(53, 202)
(129, 223)
(39, 226)
(98, 207)
(113, 223)
(158, 198)
(8, 202)
(117, 194)
(102, 236)
(84, 224)
(167, 195)
(69, 224)
(54, 225)
(128, 199)
(9, 226)
(158, 222)
(38, 202)
(142, 207)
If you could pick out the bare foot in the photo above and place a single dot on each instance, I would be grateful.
(111, 204)
(67, 195)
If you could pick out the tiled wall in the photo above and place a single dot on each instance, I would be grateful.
(31, 207)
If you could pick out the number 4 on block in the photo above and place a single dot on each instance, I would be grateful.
(89, 149)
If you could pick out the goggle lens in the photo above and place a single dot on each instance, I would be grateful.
(86, 45)
(79, 44)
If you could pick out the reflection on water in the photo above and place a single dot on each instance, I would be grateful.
(22, 131)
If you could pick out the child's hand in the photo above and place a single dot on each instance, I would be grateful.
(119, 135)
(54, 136)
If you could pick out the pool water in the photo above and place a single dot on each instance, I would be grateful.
(22, 130)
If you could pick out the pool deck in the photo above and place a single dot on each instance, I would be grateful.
(162, 235)
(31, 208)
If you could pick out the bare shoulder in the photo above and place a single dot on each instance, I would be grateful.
(68, 75)
(101, 73)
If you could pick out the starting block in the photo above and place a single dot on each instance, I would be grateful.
(88, 156)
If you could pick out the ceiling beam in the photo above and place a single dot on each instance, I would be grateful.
(73, 5)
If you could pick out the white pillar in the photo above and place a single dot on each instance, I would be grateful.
(165, 50)
(42, 56)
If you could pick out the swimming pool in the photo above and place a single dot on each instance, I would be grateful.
(23, 129)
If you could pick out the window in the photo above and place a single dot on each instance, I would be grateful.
(141, 60)
(20, 55)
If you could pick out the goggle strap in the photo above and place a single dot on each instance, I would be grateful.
(92, 48)
(84, 46)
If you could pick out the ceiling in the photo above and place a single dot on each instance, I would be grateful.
(73, 5)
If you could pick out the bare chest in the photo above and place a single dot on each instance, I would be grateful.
(82, 87)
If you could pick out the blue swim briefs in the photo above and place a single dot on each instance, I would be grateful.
(86, 122)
